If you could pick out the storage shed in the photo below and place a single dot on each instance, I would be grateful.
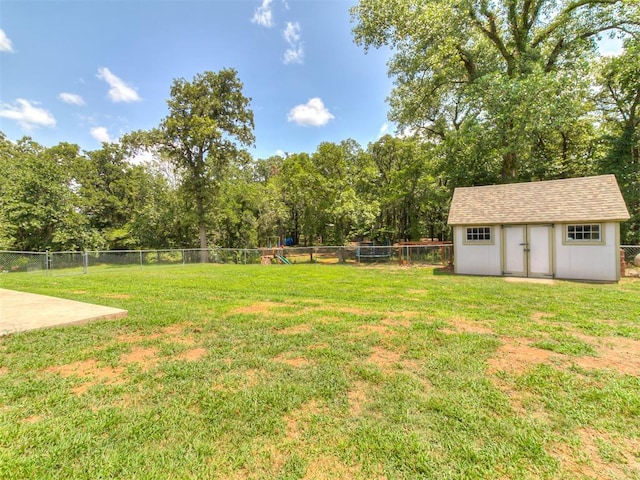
(566, 228)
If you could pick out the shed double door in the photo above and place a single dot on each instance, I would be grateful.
(527, 250)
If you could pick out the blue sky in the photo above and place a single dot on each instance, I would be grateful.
(89, 71)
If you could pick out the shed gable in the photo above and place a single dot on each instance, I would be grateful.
(585, 199)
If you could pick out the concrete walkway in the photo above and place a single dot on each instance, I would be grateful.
(20, 312)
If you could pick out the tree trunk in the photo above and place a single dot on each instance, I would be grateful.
(509, 167)
(202, 230)
(204, 253)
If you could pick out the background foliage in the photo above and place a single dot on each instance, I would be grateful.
(501, 119)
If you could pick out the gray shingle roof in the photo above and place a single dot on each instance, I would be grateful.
(585, 199)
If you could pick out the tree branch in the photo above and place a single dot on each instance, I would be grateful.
(559, 20)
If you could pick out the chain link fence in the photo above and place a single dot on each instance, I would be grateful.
(631, 257)
(73, 263)
(29, 262)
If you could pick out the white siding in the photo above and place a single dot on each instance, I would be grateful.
(477, 259)
(588, 262)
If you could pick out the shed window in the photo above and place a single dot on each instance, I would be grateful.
(584, 233)
(478, 234)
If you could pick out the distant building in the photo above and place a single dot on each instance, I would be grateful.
(566, 228)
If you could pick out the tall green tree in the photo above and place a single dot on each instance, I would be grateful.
(460, 62)
(410, 193)
(209, 118)
(38, 206)
(108, 195)
(619, 102)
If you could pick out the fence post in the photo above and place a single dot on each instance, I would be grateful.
(85, 262)
(140, 259)
(46, 262)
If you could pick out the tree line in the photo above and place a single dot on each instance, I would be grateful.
(61, 198)
(485, 92)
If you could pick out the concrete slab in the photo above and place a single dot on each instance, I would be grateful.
(20, 312)
(546, 281)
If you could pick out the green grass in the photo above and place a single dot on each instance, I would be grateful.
(324, 372)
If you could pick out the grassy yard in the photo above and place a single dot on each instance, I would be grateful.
(319, 372)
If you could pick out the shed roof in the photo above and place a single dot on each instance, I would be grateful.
(585, 199)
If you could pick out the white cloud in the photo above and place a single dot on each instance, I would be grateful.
(119, 91)
(5, 42)
(293, 55)
(292, 33)
(295, 52)
(285, 4)
(263, 15)
(280, 153)
(383, 129)
(27, 114)
(101, 134)
(71, 98)
(311, 114)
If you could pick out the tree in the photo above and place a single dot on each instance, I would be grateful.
(37, 202)
(457, 61)
(108, 195)
(619, 102)
(207, 118)
(409, 192)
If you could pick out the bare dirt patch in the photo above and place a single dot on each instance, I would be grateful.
(297, 420)
(394, 322)
(537, 316)
(376, 328)
(515, 356)
(383, 358)
(357, 396)
(252, 377)
(122, 296)
(86, 369)
(192, 355)
(89, 372)
(176, 328)
(461, 325)
(146, 357)
(4, 370)
(619, 354)
(137, 338)
(585, 459)
(296, 329)
(32, 419)
(297, 362)
(330, 467)
(176, 332)
(258, 307)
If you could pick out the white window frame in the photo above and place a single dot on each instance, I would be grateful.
(481, 232)
(580, 230)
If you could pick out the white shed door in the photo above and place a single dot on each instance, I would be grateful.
(539, 240)
(527, 250)
(514, 250)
